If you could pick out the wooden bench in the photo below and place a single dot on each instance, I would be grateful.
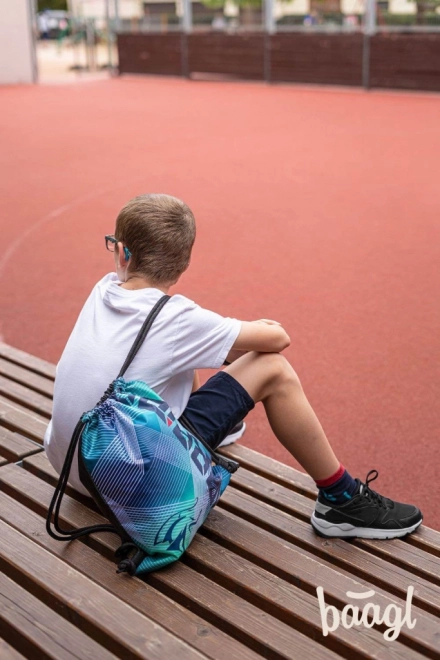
(246, 588)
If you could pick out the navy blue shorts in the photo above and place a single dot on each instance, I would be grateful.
(216, 407)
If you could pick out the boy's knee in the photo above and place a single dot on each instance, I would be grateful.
(278, 369)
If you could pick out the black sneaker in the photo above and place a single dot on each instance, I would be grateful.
(367, 515)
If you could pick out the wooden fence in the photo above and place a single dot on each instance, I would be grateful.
(390, 60)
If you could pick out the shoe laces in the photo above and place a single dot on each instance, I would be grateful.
(372, 495)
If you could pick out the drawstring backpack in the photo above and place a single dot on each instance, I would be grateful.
(154, 477)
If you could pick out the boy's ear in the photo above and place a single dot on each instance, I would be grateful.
(121, 255)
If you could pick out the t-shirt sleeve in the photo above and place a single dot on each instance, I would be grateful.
(203, 339)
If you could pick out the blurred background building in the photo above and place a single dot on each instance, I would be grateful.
(46, 39)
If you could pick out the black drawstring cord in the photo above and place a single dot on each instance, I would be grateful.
(226, 463)
(69, 535)
(55, 504)
(129, 564)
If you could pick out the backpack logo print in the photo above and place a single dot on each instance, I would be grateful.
(169, 534)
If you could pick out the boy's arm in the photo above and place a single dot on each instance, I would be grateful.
(264, 336)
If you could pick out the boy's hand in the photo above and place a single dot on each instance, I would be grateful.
(265, 336)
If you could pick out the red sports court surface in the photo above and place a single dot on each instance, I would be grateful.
(317, 208)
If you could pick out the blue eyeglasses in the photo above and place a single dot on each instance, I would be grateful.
(111, 241)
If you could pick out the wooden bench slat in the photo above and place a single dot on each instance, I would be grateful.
(30, 362)
(8, 652)
(246, 622)
(27, 378)
(23, 421)
(338, 552)
(181, 622)
(247, 584)
(426, 538)
(14, 447)
(306, 571)
(25, 396)
(271, 469)
(432, 565)
(286, 601)
(101, 615)
(397, 551)
(38, 632)
(408, 556)
(294, 565)
(272, 493)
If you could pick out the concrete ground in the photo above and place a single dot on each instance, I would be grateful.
(315, 207)
(69, 63)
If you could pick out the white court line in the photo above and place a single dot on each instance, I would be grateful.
(13, 247)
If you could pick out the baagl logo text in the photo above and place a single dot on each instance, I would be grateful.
(366, 614)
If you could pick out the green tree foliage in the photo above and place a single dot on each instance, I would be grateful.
(52, 4)
(424, 9)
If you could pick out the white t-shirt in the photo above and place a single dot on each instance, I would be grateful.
(183, 337)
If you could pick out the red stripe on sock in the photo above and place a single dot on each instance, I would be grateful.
(325, 483)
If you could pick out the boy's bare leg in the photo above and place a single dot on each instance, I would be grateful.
(269, 378)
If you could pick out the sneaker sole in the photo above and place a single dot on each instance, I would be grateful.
(233, 437)
(345, 530)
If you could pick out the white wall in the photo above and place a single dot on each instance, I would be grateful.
(402, 7)
(97, 8)
(17, 52)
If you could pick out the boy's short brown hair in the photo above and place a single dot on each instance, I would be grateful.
(159, 231)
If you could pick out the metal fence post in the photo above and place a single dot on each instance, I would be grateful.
(370, 26)
(109, 35)
(117, 19)
(187, 15)
(186, 29)
(269, 30)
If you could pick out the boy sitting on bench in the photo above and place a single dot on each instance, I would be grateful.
(152, 246)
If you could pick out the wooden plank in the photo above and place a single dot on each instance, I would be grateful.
(100, 614)
(406, 61)
(287, 602)
(426, 538)
(150, 53)
(299, 567)
(8, 652)
(14, 447)
(317, 58)
(250, 625)
(272, 493)
(181, 622)
(25, 397)
(338, 552)
(38, 632)
(39, 465)
(18, 419)
(27, 378)
(412, 556)
(279, 557)
(241, 54)
(403, 553)
(32, 363)
(272, 469)
(397, 551)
